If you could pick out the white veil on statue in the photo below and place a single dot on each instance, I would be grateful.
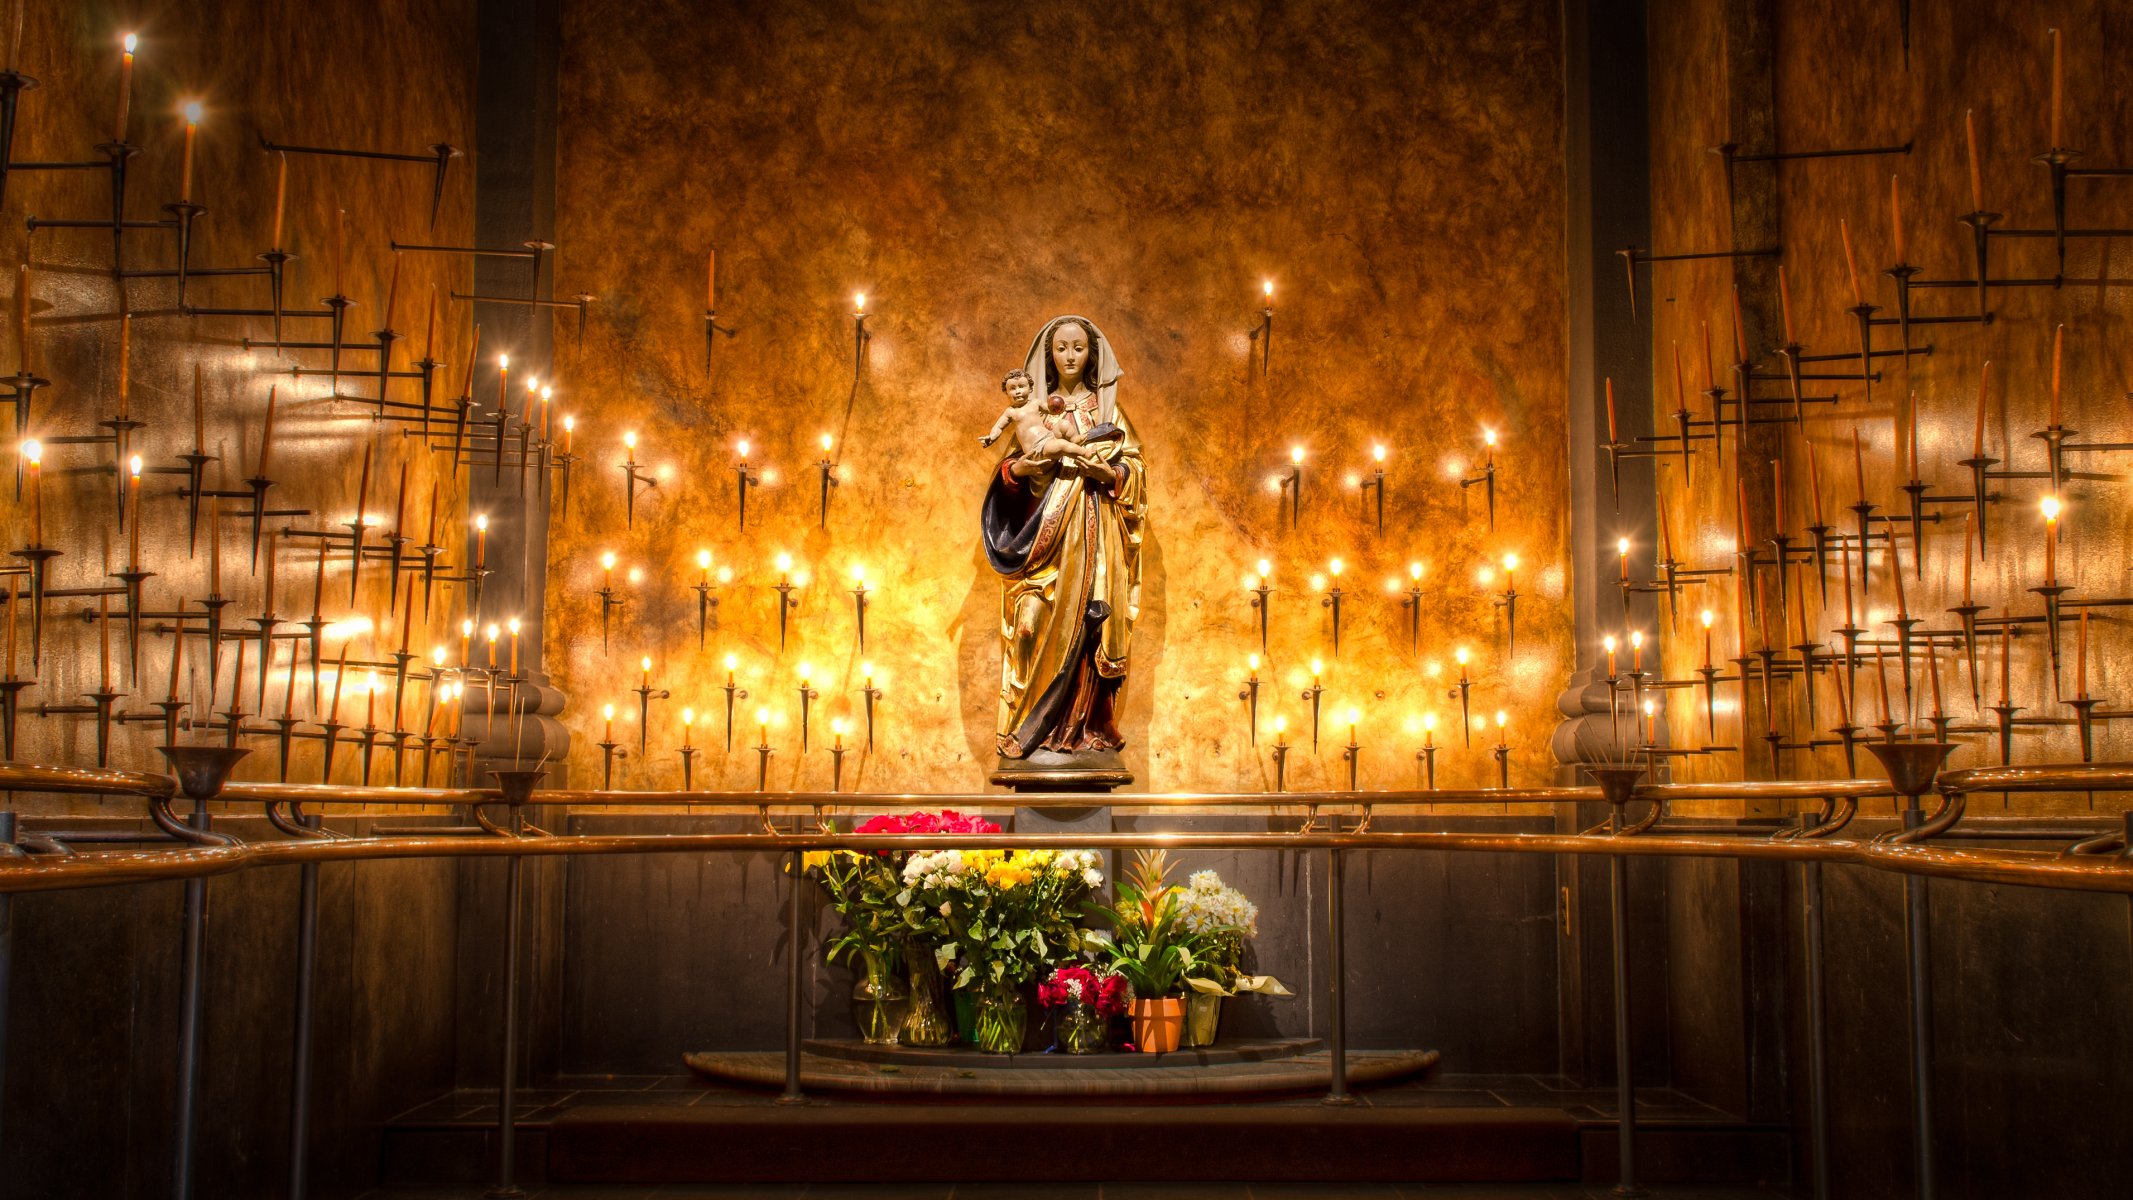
(1101, 374)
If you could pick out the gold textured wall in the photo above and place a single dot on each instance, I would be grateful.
(976, 169)
(1841, 80)
(301, 74)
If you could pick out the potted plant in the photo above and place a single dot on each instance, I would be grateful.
(1083, 1001)
(1152, 947)
(862, 889)
(1229, 920)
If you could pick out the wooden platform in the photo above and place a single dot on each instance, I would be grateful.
(1241, 1068)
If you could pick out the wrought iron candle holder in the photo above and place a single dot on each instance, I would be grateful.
(743, 479)
(1486, 477)
(705, 601)
(1332, 600)
(633, 479)
(1311, 696)
(1259, 593)
(1375, 485)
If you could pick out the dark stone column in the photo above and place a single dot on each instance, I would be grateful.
(514, 180)
(1607, 169)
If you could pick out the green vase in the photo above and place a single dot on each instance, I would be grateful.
(966, 1015)
(1000, 1021)
(880, 1001)
(927, 1023)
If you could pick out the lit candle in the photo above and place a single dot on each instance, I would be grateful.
(784, 568)
(607, 714)
(1318, 668)
(1266, 291)
(1281, 730)
(1510, 569)
(1707, 618)
(1429, 730)
(837, 727)
(688, 719)
(503, 372)
(547, 394)
(570, 425)
(33, 456)
(1896, 218)
(1622, 550)
(493, 631)
(133, 528)
(185, 168)
(1651, 724)
(1355, 718)
(859, 304)
(481, 540)
(1609, 642)
(2051, 540)
(1488, 441)
(646, 679)
(1977, 173)
(514, 626)
(1636, 651)
(132, 41)
(762, 721)
(1503, 720)
(466, 635)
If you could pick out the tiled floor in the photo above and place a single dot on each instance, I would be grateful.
(536, 1106)
(1089, 1191)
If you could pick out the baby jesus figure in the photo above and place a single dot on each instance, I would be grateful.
(1043, 431)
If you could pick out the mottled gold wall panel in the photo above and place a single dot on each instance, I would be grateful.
(1842, 81)
(392, 76)
(976, 169)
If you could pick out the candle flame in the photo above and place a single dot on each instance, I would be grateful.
(1267, 288)
(192, 112)
(859, 303)
(732, 661)
(784, 562)
(1622, 547)
(859, 573)
(703, 559)
(807, 670)
(1647, 708)
(1318, 668)
(1296, 455)
(608, 711)
(646, 663)
(688, 716)
(570, 424)
(437, 655)
(481, 522)
(1378, 453)
(1355, 716)
(466, 627)
(1608, 643)
(1253, 661)
(839, 726)
(1459, 655)
(1501, 718)
(1510, 562)
(134, 464)
(2051, 508)
(533, 384)
(546, 393)
(1636, 639)
(743, 448)
(33, 451)
(132, 42)
(503, 362)
(1488, 437)
(762, 716)
(867, 669)
(1414, 571)
(493, 630)
(1429, 721)
(1706, 617)
(827, 441)
(607, 561)
(629, 439)
(1265, 568)
(513, 626)
(1336, 566)
(1281, 725)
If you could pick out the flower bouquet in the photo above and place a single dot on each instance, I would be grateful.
(1228, 920)
(1083, 1002)
(996, 920)
(866, 891)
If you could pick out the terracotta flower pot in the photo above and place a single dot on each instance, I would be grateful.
(1158, 1024)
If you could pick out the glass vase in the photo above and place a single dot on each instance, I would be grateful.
(1001, 1018)
(1080, 1028)
(1203, 1016)
(927, 1023)
(880, 1001)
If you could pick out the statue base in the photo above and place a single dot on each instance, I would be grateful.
(1050, 771)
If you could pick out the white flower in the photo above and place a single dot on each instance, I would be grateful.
(944, 908)
(1093, 877)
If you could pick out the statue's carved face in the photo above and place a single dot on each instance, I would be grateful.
(1070, 351)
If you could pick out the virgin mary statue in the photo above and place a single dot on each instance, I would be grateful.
(1064, 534)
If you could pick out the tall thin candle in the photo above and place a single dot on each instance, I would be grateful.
(1977, 173)
(1851, 261)
(1984, 386)
(281, 201)
(2058, 354)
(125, 103)
(1896, 218)
(2058, 92)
